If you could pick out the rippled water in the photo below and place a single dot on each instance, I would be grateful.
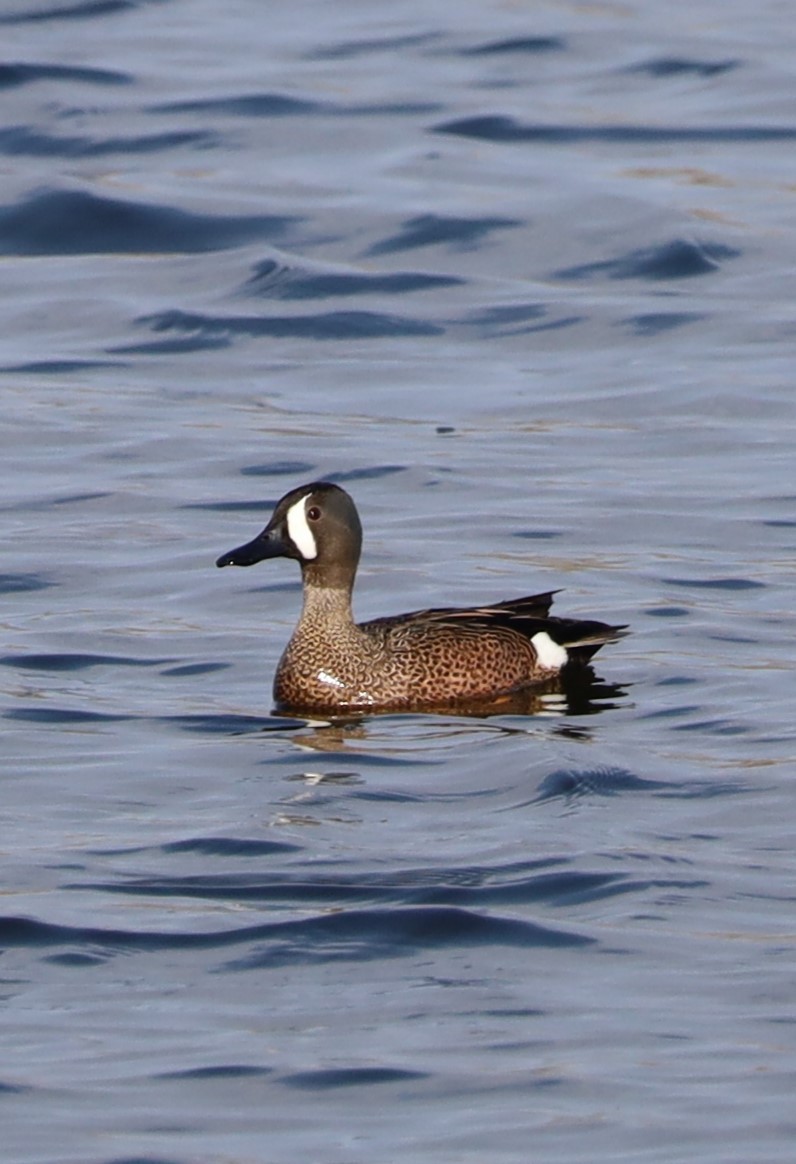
(520, 277)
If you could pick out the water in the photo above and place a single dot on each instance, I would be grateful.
(520, 277)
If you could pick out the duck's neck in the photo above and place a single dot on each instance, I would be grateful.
(327, 601)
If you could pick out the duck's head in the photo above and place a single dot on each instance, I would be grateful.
(318, 525)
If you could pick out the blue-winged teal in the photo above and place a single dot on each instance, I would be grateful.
(426, 659)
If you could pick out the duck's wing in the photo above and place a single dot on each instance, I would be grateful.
(580, 637)
(527, 616)
(535, 606)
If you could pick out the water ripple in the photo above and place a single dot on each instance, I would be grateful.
(275, 280)
(500, 128)
(350, 49)
(660, 322)
(249, 105)
(59, 367)
(716, 583)
(345, 936)
(87, 10)
(599, 781)
(62, 715)
(74, 662)
(325, 1079)
(23, 583)
(335, 325)
(428, 230)
(15, 73)
(679, 259)
(526, 45)
(677, 66)
(374, 934)
(22, 141)
(217, 1071)
(278, 469)
(218, 724)
(67, 222)
(464, 888)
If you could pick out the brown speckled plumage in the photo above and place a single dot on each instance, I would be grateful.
(425, 659)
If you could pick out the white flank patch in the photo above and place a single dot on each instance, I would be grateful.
(299, 531)
(332, 680)
(549, 654)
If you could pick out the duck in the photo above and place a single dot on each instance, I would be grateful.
(431, 659)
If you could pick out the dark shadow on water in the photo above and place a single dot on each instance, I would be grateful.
(217, 1071)
(187, 670)
(499, 322)
(14, 1088)
(278, 469)
(59, 367)
(682, 66)
(301, 469)
(478, 890)
(63, 716)
(45, 504)
(350, 49)
(87, 10)
(573, 785)
(500, 128)
(375, 934)
(328, 1079)
(269, 105)
(356, 935)
(507, 314)
(367, 473)
(22, 141)
(216, 724)
(263, 505)
(243, 105)
(716, 583)
(231, 724)
(679, 259)
(428, 230)
(75, 222)
(521, 45)
(660, 322)
(75, 662)
(322, 325)
(275, 280)
(595, 782)
(13, 74)
(226, 848)
(23, 583)
(173, 347)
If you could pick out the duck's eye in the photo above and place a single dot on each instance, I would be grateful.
(313, 513)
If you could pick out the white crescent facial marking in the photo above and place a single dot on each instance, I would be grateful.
(549, 654)
(299, 531)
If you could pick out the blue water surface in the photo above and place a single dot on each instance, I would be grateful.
(520, 278)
